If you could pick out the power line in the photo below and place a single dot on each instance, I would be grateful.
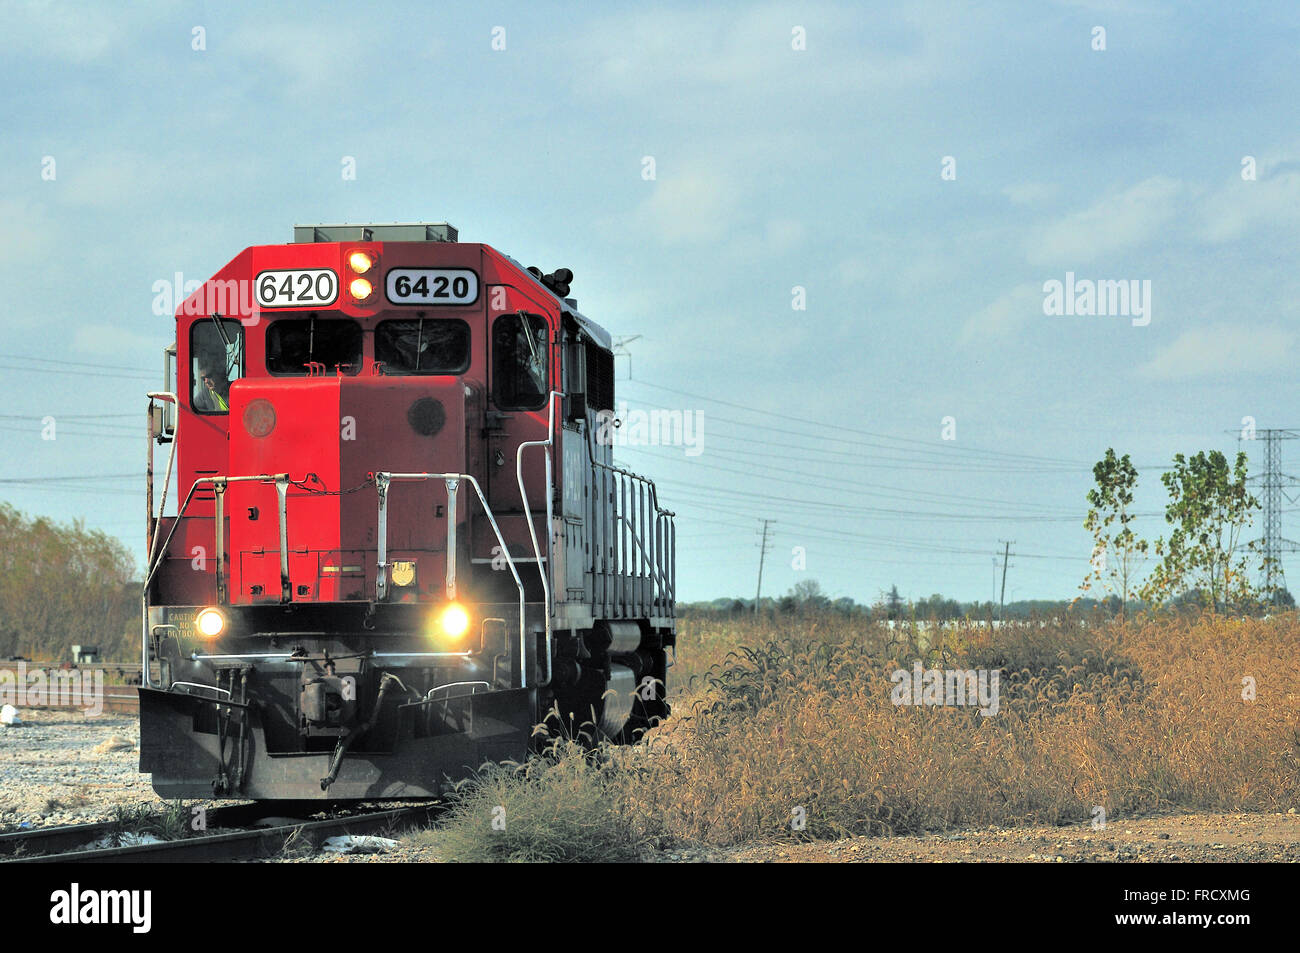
(928, 445)
(844, 535)
(76, 477)
(942, 458)
(77, 373)
(873, 510)
(70, 416)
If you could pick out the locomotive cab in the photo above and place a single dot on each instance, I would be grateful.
(395, 543)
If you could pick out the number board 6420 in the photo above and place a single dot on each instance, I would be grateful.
(296, 288)
(432, 286)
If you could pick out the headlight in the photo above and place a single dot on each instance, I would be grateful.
(454, 621)
(361, 261)
(360, 289)
(210, 623)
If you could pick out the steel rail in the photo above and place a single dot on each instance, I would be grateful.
(222, 845)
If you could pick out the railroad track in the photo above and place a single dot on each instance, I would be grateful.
(232, 834)
(120, 696)
(122, 699)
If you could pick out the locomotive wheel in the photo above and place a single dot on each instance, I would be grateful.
(599, 700)
(574, 707)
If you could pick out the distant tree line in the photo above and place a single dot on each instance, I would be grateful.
(807, 598)
(1202, 563)
(63, 585)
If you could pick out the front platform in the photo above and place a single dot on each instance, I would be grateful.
(199, 748)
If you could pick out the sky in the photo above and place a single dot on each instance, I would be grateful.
(826, 233)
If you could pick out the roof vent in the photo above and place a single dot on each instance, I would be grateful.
(389, 232)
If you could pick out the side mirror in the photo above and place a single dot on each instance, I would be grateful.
(577, 407)
(161, 424)
(166, 426)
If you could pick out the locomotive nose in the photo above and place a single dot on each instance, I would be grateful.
(331, 435)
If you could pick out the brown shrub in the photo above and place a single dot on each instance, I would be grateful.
(1129, 717)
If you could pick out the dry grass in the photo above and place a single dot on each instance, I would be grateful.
(1127, 718)
(561, 808)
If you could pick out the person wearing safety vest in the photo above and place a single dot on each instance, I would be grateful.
(213, 393)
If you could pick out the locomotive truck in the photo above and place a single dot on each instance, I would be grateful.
(396, 543)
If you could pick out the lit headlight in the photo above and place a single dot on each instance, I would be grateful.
(453, 621)
(361, 262)
(210, 623)
(360, 289)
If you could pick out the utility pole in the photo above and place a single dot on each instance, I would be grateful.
(1002, 599)
(762, 554)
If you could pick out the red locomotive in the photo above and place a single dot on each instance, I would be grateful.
(399, 543)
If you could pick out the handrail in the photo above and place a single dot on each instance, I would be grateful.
(550, 517)
(382, 482)
(152, 539)
(661, 524)
(645, 558)
(156, 556)
(156, 562)
(384, 478)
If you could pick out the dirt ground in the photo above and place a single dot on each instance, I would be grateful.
(1165, 838)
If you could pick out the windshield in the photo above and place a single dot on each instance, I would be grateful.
(294, 345)
(422, 346)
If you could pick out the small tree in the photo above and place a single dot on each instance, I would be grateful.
(1209, 506)
(893, 604)
(805, 596)
(1117, 554)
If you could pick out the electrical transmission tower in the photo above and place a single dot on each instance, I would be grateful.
(1272, 480)
(1273, 483)
(619, 346)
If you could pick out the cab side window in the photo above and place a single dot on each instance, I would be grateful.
(519, 361)
(216, 361)
(600, 378)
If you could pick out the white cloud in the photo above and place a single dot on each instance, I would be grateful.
(1029, 193)
(652, 52)
(1005, 314)
(1222, 349)
(783, 234)
(854, 271)
(1115, 223)
(1273, 200)
(109, 180)
(305, 53)
(689, 207)
(73, 33)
